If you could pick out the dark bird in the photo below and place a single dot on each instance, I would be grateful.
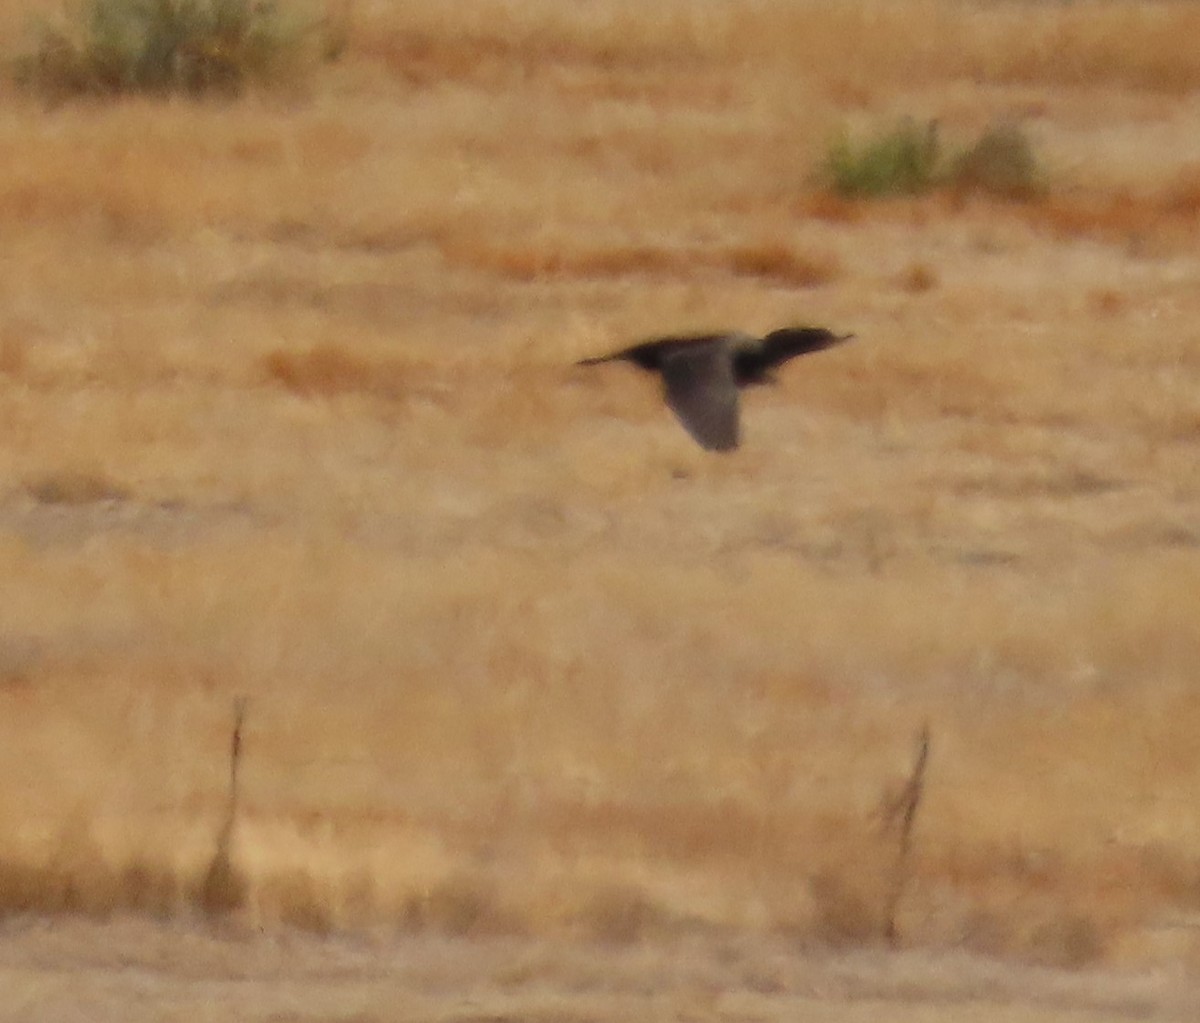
(702, 373)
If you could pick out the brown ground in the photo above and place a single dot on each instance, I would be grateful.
(551, 714)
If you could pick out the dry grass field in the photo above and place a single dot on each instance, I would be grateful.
(549, 713)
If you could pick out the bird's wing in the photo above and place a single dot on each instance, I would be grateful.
(702, 393)
(779, 346)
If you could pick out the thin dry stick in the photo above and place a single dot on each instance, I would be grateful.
(904, 807)
(223, 888)
(235, 756)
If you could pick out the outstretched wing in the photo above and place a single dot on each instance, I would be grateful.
(703, 394)
(781, 345)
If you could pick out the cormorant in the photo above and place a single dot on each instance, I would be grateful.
(702, 373)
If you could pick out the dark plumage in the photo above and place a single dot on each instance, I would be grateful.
(702, 373)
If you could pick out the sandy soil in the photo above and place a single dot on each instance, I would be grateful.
(136, 970)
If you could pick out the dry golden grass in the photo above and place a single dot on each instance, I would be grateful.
(292, 413)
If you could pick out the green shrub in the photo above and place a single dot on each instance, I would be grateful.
(902, 162)
(165, 46)
(909, 160)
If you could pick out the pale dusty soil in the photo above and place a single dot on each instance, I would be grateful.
(131, 971)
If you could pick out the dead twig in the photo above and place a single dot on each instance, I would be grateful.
(903, 809)
(224, 887)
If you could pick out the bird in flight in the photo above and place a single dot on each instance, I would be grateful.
(702, 373)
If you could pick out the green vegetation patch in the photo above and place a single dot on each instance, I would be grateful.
(910, 159)
(903, 161)
(189, 47)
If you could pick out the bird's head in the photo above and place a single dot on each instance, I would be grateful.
(799, 340)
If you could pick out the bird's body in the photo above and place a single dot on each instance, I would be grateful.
(702, 373)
